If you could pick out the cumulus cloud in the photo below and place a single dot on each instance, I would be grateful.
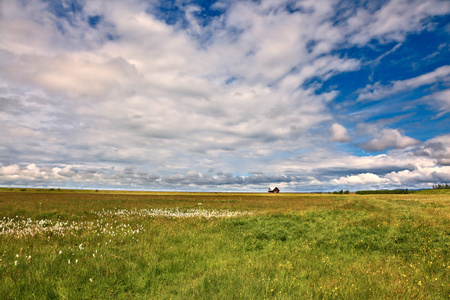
(317, 171)
(437, 148)
(130, 176)
(360, 179)
(339, 133)
(11, 170)
(154, 86)
(389, 138)
(420, 176)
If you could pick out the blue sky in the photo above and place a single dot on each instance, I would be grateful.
(225, 95)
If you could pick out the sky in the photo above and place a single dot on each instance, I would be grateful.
(236, 95)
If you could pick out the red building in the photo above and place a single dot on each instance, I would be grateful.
(274, 190)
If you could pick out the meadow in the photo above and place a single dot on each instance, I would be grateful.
(62, 244)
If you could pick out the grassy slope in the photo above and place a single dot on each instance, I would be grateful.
(294, 245)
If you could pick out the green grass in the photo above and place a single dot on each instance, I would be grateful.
(293, 246)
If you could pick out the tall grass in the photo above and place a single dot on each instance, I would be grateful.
(287, 246)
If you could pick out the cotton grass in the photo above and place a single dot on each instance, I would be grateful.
(105, 222)
(172, 213)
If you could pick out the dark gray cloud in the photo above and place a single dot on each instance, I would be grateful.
(130, 176)
(334, 172)
(437, 149)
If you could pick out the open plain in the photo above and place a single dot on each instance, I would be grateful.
(68, 244)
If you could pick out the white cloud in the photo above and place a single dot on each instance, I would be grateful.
(378, 91)
(132, 177)
(440, 100)
(393, 20)
(389, 138)
(419, 176)
(11, 170)
(360, 179)
(339, 133)
(319, 170)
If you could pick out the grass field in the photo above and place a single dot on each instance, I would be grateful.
(136, 245)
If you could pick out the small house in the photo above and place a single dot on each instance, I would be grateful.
(274, 190)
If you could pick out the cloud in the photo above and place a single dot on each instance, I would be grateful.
(392, 21)
(389, 138)
(360, 179)
(420, 176)
(12, 170)
(339, 133)
(319, 171)
(437, 148)
(378, 91)
(43, 176)
(440, 100)
(130, 176)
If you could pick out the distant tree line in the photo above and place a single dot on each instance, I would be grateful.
(441, 187)
(405, 191)
(341, 192)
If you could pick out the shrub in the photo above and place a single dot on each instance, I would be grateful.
(405, 191)
(441, 186)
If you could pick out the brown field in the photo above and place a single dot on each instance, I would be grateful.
(66, 203)
(26, 203)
